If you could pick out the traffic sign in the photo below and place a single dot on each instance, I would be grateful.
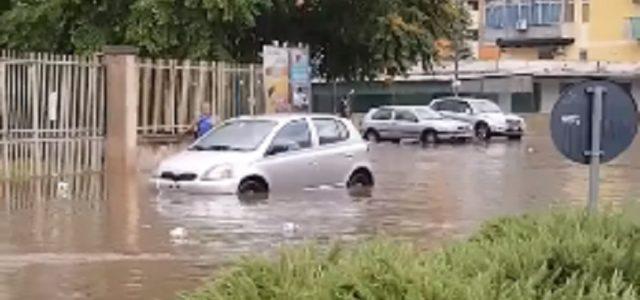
(593, 122)
(571, 121)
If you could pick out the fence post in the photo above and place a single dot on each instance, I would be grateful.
(5, 121)
(122, 88)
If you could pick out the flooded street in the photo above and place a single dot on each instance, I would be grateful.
(70, 242)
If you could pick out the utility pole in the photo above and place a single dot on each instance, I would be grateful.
(457, 40)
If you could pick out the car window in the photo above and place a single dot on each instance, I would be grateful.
(330, 131)
(236, 135)
(382, 115)
(426, 113)
(486, 107)
(292, 137)
(405, 115)
(462, 107)
(446, 105)
(437, 106)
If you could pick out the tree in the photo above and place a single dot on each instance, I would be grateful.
(192, 28)
(349, 39)
(63, 25)
(356, 39)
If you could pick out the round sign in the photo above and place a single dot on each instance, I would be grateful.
(571, 121)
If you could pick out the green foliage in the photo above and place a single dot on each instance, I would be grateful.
(350, 39)
(562, 256)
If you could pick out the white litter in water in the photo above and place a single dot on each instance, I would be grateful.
(531, 150)
(290, 228)
(178, 233)
(62, 190)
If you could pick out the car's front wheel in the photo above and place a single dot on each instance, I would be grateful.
(429, 137)
(372, 136)
(253, 189)
(483, 132)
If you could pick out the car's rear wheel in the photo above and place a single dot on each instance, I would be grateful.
(360, 178)
(372, 136)
(483, 132)
(429, 137)
(253, 189)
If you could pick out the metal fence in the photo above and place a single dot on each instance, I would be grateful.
(84, 191)
(53, 107)
(52, 115)
(172, 93)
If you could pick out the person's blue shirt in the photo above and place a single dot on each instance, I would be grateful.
(204, 125)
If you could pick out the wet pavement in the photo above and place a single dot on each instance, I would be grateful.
(70, 241)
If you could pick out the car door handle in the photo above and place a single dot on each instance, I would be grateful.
(349, 155)
(313, 163)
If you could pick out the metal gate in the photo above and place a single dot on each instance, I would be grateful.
(52, 116)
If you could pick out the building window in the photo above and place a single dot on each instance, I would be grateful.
(536, 13)
(472, 34)
(474, 5)
(569, 11)
(546, 53)
(584, 55)
(586, 11)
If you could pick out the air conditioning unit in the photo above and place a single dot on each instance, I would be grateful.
(522, 25)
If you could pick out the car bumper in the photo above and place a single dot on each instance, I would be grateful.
(223, 187)
(503, 131)
(455, 135)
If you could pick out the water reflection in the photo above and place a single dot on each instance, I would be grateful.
(133, 243)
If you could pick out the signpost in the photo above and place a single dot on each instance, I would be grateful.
(593, 123)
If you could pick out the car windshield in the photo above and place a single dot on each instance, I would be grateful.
(238, 135)
(485, 107)
(428, 113)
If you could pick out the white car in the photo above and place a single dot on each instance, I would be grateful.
(261, 154)
(486, 117)
(395, 123)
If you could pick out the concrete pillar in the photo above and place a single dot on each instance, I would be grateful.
(550, 92)
(504, 101)
(122, 85)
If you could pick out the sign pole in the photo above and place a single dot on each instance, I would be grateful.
(595, 153)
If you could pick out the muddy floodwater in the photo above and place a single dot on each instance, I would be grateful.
(68, 241)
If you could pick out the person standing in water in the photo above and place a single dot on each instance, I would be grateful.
(205, 122)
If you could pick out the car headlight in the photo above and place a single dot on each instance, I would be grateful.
(219, 172)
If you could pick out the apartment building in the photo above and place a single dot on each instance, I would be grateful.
(579, 30)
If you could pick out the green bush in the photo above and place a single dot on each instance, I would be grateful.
(559, 256)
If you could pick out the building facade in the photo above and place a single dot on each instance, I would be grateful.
(587, 30)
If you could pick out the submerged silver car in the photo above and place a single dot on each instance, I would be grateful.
(261, 154)
(412, 122)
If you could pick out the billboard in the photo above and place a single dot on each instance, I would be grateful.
(300, 79)
(276, 79)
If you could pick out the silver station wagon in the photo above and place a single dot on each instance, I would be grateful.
(395, 123)
(261, 154)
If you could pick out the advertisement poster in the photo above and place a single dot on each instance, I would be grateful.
(276, 79)
(300, 76)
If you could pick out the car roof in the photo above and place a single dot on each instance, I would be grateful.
(284, 117)
(463, 99)
(405, 106)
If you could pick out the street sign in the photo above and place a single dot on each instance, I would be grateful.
(593, 122)
(571, 121)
